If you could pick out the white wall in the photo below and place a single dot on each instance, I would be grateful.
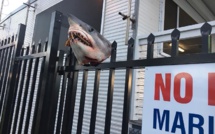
(148, 22)
(11, 24)
(115, 29)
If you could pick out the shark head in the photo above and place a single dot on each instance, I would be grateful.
(88, 45)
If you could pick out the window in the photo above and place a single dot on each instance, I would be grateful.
(176, 17)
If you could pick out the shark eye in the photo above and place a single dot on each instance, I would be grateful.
(91, 29)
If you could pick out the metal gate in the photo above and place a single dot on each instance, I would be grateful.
(38, 85)
(27, 74)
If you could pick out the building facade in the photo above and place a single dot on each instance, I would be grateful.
(159, 17)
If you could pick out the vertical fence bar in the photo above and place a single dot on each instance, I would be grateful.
(10, 95)
(1, 61)
(175, 37)
(4, 68)
(71, 93)
(66, 119)
(18, 95)
(27, 50)
(61, 105)
(23, 93)
(8, 41)
(82, 102)
(3, 71)
(95, 101)
(38, 85)
(43, 115)
(12, 39)
(23, 97)
(39, 47)
(5, 41)
(206, 32)
(45, 45)
(110, 90)
(128, 85)
(150, 46)
(56, 93)
(30, 96)
(6, 78)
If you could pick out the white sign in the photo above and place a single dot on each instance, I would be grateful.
(179, 99)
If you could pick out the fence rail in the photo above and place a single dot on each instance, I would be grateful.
(38, 84)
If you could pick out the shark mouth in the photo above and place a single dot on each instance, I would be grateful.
(77, 36)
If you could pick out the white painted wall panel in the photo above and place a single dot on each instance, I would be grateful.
(30, 26)
(148, 22)
(77, 103)
(12, 24)
(148, 19)
(114, 29)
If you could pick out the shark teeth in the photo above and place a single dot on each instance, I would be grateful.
(75, 36)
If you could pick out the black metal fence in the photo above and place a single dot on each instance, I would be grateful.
(31, 80)
(27, 75)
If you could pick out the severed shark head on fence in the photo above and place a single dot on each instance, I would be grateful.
(88, 45)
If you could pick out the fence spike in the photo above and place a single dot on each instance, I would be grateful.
(5, 41)
(110, 90)
(39, 46)
(131, 41)
(206, 32)
(206, 29)
(175, 35)
(150, 46)
(128, 88)
(114, 45)
(12, 40)
(8, 40)
(33, 49)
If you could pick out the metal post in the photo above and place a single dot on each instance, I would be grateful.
(110, 91)
(175, 37)
(95, 101)
(206, 32)
(54, 98)
(3, 71)
(82, 102)
(128, 87)
(43, 115)
(70, 95)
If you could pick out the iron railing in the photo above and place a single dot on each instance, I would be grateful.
(39, 83)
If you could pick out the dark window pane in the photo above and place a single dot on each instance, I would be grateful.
(188, 46)
(170, 19)
(185, 19)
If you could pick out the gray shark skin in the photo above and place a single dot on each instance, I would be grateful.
(88, 45)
